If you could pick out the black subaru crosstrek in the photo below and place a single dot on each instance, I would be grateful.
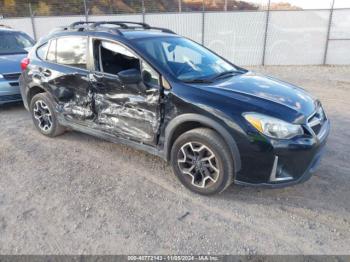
(152, 89)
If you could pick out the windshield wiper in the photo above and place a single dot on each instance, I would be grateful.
(197, 80)
(212, 79)
(225, 74)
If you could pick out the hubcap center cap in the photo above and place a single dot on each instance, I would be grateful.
(198, 163)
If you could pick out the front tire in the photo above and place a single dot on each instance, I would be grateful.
(202, 161)
(44, 117)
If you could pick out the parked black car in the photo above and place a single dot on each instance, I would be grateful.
(149, 88)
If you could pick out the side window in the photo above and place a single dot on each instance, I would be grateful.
(72, 51)
(113, 58)
(51, 54)
(42, 50)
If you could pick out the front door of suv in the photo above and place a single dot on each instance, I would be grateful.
(124, 109)
(68, 78)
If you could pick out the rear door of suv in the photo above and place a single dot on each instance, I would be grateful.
(63, 71)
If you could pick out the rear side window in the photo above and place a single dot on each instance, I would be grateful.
(72, 51)
(41, 51)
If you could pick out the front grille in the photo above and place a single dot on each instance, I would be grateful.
(317, 120)
(10, 98)
(12, 76)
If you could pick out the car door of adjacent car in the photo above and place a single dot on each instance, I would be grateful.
(128, 110)
(65, 74)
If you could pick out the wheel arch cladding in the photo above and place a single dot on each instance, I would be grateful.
(183, 122)
(34, 91)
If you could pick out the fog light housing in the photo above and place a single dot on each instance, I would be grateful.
(276, 174)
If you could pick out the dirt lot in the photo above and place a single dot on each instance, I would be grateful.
(78, 194)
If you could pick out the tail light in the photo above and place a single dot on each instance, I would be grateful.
(24, 63)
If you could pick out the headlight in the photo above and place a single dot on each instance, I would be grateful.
(273, 127)
(1, 77)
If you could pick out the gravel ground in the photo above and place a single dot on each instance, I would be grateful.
(76, 194)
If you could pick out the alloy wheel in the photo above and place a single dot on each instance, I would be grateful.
(199, 164)
(43, 115)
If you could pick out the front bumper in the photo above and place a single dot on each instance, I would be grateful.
(283, 163)
(9, 92)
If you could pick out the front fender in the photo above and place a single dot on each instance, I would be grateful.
(205, 121)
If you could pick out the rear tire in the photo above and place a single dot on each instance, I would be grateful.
(202, 161)
(44, 116)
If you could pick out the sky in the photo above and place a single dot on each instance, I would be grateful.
(311, 4)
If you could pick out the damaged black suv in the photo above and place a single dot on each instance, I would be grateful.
(154, 90)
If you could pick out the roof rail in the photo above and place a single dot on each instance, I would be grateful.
(124, 25)
(72, 26)
(121, 24)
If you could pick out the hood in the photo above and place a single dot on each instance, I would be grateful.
(11, 63)
(268, 88)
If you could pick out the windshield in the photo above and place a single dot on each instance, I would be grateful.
(185, 59)
(14, 43)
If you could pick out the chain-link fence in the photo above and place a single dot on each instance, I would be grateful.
(20, 8)
(249, 32)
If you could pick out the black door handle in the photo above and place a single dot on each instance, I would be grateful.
(98, 86)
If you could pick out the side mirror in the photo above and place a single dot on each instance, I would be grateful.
(171, 48)
(130, 76)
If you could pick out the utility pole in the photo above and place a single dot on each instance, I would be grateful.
(143, 11)
(32, 14)
(203, 21)
(86, 11)
(328, 33)
(266, 32)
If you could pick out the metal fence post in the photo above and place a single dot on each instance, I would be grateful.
(143, 11)
(225, 6)
(32, 14)
(266, 32)
(203, 21)
(180, 6)
(86, 11)
(328, 33)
